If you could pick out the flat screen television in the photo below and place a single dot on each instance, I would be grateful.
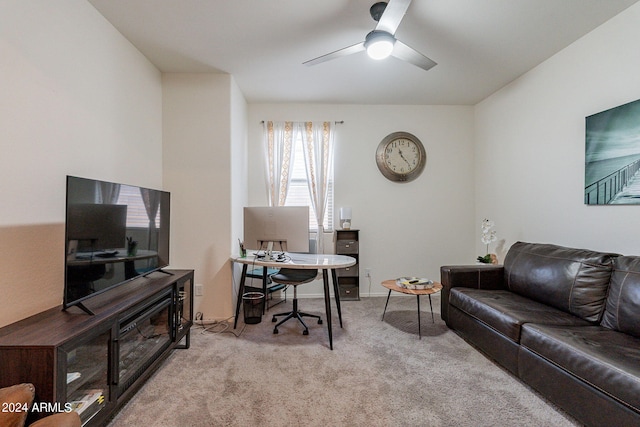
(114, 233)
(284, 228)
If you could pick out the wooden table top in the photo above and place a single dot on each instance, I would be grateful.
(391, 284)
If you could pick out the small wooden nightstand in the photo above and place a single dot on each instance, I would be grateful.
(348, 243)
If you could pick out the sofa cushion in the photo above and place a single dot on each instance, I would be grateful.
(601, 357)
(572, 280)
(505, 311)
(622, 312)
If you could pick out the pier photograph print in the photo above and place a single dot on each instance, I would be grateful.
(612, 156)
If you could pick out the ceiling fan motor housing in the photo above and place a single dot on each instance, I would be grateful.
(377, 10)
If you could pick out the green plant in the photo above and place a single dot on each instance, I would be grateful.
(488, 236)
(485, 259)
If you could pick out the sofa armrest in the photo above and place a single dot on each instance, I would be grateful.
(485, 276)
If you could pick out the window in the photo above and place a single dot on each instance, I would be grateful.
(288, 146)
(136, 213)
(298, 194)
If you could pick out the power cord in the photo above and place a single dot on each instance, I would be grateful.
(199, 317)
(225, 327)
(216, 326)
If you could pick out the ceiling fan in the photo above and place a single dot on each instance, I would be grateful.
(381, 42)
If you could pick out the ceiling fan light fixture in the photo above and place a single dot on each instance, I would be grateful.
(379, 44)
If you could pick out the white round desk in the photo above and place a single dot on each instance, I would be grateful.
(324, 262)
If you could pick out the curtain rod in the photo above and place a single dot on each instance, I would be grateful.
(337, 122)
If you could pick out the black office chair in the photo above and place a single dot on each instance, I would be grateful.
(294, 277)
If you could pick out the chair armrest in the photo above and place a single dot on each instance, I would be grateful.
(63, 419)
(21, 396)
(485, 276)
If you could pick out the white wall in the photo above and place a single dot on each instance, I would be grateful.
(77, 99)
(405, 229)
(204, 137)
(239, 182)
(530, 139)
(239, 162)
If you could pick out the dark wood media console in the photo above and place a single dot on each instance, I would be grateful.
(94, 364)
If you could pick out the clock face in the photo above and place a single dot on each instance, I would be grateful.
(401, 157)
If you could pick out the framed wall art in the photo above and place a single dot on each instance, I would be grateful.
(612, 156)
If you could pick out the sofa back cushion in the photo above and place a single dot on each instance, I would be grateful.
(622, 312)
(572, 280)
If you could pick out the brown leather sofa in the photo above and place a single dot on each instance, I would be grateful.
(16, 402)
(565, 321)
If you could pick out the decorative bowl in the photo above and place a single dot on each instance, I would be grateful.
(414, 283)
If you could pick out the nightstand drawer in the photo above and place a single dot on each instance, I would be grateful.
(352, 271)
(347, 247)
(348, 292)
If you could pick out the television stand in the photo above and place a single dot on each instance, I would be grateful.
(102, 359)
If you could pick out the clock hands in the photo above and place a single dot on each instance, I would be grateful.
(403, 158)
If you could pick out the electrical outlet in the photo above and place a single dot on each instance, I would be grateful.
(367, 272)
(199, 290)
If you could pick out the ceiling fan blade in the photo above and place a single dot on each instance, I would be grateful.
(406, 53)
(393, 14)
(337, 54)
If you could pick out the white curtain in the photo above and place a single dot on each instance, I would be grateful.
(318, 141)
(278, 137)
(318, 154)
(151, 200)
(107, 193)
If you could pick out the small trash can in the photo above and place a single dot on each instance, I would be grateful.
(253, 303)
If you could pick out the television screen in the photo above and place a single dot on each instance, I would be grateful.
(114, 233)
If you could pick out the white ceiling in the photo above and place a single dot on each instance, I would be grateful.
(479, 45)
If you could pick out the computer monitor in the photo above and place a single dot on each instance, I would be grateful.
(283, 228)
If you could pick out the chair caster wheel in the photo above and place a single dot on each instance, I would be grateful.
(305, 332)
(274, 319)
(275, 330)
(319, 321)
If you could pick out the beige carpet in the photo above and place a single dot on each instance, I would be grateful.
(379, 374)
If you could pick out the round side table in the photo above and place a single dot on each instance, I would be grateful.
(392, 286)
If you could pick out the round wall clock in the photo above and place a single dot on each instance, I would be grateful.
(401, 157)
